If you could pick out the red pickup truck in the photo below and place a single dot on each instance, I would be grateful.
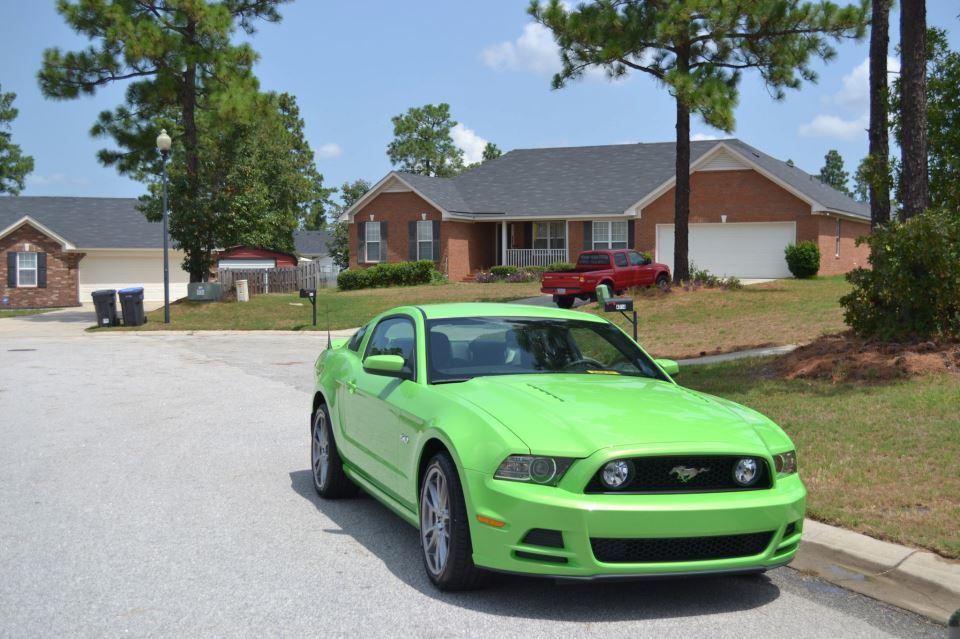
(619, 269)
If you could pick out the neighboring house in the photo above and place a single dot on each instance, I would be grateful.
(536, 206)
(249, 257)
(312, 245)
(55, 251)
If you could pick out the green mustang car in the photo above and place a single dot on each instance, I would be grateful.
(547, 442)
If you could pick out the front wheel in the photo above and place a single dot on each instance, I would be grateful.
(663, 281)
(329, 480)
(444, 531)
(565, 301)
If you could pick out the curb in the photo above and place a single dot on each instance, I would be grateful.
(915, 580)
(729, 357)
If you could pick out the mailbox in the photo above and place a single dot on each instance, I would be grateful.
(308, 292)
(618, 304)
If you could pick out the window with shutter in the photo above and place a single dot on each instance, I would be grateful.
(27, 270)
(372, 241)
(425, 240)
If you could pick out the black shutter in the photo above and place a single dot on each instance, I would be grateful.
(384, 256)
(412, 241)
(41, 270)
(361, 246)
(12, 269)
(631, 234)
(587, 236)
(436, 241)
(528, 235)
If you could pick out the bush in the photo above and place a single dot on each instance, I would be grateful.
(387, 274)
(523, 276)
(803, 259)
(504, 271)
(486, 277)
(560, 267)
(913, 289)
(535, 269)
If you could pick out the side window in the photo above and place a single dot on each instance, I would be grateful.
(637, 259)
(394, 336)
(354, 343)
(620, 259)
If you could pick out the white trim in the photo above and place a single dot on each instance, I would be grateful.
(384, 186)
(26, 219)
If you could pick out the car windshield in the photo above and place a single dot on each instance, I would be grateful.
(459, 349)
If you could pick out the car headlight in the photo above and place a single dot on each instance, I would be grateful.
(785, 463)
(533, 469)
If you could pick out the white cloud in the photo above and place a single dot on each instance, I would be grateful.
(697, 137)
(36, 179)
(329, 151)
(469, 142)
(831, 126)
(855, 93)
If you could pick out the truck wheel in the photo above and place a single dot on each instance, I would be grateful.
(663, 281)
(565, 301)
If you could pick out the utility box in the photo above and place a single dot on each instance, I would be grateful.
(243, 292)
(204, 291)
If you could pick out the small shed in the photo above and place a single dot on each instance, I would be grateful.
(250, 257)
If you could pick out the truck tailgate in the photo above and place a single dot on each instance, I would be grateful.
(561, 280)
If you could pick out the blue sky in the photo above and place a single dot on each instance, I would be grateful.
(352, 66)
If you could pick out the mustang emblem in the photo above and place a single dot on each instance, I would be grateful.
(686, 473)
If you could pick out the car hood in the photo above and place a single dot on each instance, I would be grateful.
(576, 415)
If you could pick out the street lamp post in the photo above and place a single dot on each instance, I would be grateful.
(163, 145)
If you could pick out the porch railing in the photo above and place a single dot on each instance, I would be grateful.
(535, 257)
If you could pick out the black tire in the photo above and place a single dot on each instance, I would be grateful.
(457, 571)
(333, 483)
(663, 281)
(565, 301)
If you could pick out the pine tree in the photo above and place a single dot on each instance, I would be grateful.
(833, 174)
(14, 165)
(422, 142)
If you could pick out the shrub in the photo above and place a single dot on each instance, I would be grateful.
(913, 289)
(387, 274)
(560, 267)
(486, 277)
(504, 271)
(803, 259)
(523, 276)
(732, 284)
(535, 269)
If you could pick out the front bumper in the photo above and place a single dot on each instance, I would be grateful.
(580, 517)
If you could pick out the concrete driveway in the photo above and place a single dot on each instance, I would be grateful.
(159, 485)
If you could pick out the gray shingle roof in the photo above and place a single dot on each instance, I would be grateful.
(312, 242)
(595, 180)
(87, 222)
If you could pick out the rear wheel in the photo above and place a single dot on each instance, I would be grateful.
(565, 301)
(444, 530)
(329, 480)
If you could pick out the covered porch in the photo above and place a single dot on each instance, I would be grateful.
(523, 244)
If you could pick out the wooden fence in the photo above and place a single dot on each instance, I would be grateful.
(280, 280)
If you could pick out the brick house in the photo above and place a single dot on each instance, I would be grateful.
(536, 206)
(55, 251)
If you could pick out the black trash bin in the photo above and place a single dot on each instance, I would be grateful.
(131, 302)
(105, 301)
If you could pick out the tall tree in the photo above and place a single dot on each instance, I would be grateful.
(491, 152)
(182, 60)
(422, 142)
(877, 167)
(861, 183)
(350, 192)
(14, 165)
(913, 107)
(832, 172)
(698, 51)
(339, 243)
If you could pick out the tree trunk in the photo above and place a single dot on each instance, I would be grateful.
(681, 266)
(913, 106)
(878, 164)
(188, 107)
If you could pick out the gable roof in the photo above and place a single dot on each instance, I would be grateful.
(312, 242)
(595, 180)
(86, 222)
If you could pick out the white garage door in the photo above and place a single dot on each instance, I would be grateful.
(122, 269)
(753, 250)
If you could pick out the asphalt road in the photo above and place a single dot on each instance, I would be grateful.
(159, 486)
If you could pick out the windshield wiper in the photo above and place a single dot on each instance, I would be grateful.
(453, 380)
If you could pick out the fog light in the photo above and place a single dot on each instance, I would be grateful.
(617, 473)
(746, 472)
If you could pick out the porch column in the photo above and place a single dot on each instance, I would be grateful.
(503, 242)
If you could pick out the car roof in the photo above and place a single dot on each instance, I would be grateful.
(485, 309)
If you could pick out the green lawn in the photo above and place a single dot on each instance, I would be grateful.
(879, 459)
(17, 312)
(346, 309)
(687, 324)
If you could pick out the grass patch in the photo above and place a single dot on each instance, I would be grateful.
(347, 309)
(18, 312)
(879, 458)
(684, 324)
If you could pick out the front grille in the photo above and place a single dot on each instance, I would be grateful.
(671, 549)
(662, 474)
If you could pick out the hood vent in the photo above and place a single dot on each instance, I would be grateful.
(546, 392)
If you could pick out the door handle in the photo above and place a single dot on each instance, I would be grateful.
(351, 386)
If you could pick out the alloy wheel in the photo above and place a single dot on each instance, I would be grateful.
(320, 450)
(435, 520)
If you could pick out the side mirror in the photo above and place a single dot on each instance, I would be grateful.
(669, 367)
(387, 365)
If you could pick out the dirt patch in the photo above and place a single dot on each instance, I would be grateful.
(845, 357)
